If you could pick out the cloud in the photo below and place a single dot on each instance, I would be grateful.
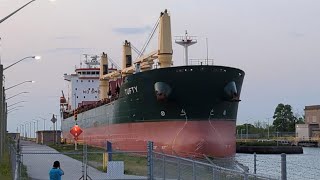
(67, 50)
(67, 37)
(132, 30)
(298, 35)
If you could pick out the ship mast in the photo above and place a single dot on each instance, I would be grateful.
(145, 62)
(186, 41)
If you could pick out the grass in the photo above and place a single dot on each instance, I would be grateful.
(24, 174)
(5, 167)
(133, 164)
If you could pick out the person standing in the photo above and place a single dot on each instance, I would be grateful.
(56, 172)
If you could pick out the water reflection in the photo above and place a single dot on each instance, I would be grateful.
(299, 166)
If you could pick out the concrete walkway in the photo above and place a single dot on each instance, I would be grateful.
(40, 163)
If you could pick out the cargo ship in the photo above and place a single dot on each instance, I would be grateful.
(187, 110)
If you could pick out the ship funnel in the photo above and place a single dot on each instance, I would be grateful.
(127, 55)
(104, 84)
(165, 41)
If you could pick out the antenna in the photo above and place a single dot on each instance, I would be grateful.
(207, 51)
(186, 41)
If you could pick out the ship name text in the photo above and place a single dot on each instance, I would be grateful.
(131, 90)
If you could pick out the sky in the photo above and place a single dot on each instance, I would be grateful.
(276, 43)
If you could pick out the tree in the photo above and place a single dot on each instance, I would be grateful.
(284, 120)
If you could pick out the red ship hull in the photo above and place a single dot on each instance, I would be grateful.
(214, 138)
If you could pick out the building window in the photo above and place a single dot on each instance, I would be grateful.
(96, 96)
(88, 80)
(92, 80)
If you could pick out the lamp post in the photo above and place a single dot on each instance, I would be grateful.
(247, 131)
(268, 128)
(21, 129)
(3, 19)
(28, 57)
(16, 95)
(3, 112)
(34, 128)
(25, 129)
(14, 108)
(19, 84)
(16, 103)
(44, 122)
(37, 123)
(30, 129)
(37, 129)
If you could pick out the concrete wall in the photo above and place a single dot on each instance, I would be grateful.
(312, 114)
(48, 137)
(303, 131)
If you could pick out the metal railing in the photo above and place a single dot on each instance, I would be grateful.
(90, 163)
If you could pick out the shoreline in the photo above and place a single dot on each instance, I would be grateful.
(269, 149)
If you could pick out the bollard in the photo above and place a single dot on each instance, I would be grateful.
(109, 150)
(246, 173)
(255, 163)
(283, 167)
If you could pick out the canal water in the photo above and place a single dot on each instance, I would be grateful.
(299, 166)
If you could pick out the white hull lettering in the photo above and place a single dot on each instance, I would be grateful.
(131, 90)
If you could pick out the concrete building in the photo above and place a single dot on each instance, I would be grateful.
(312, 114)
(48, 137)
(312, 123)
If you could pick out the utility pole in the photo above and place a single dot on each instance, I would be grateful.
(2, 128)
(3, 111)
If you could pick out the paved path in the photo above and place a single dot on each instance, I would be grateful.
(39, 164)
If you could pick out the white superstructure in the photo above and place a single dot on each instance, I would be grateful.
(83, 86)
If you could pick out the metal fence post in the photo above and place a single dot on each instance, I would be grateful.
(194, 170)
(283, 167)
(179, 173)
(164, 166)
(255, 163)
(150, 160)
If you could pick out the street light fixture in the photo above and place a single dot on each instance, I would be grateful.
(3, 19)
(16, 103)
(14, 108)
(19, 84)
(44, 122)
(16, 95)
(32, 57)
(12, 111)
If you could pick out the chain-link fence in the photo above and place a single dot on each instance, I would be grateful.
(13, 153)
(173, 167)
(34, 162)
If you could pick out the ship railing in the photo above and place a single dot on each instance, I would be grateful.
(201, 62)
(88, 107)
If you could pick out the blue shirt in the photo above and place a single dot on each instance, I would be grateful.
(55, 174)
